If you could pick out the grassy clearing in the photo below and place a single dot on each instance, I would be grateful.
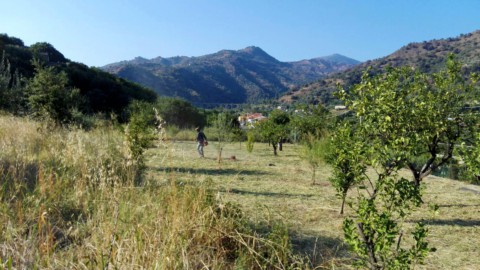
(279, 188)
(68, 201)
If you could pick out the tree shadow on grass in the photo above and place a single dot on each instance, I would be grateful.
(458, 205)
(211, 171)
(452, 222)
(16, 174)
(270, 194)
(321, 250)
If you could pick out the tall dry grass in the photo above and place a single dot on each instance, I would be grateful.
(68, 200)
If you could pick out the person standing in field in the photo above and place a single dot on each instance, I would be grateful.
(201, 141)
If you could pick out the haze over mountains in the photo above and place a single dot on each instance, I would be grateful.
(228, 76)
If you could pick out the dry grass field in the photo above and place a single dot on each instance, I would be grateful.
(69, 199)
(270, 188)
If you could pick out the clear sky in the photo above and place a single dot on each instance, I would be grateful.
(99, 32)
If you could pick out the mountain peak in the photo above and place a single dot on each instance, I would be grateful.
(227, 76)
(340, 59)
(256, 53)
(253, 49)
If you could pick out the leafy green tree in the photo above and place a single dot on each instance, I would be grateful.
(224, 132)
(140, 131)
(314, 152)
(250, 140)
(401, 115)
(346, 155)
(180, 113)
(275, 129)
(309, 120)
(471, 158)
(49, 96)
(408, 114)
(5, 73)
(12, 96)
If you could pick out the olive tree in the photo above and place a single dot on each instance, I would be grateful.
(403, 119)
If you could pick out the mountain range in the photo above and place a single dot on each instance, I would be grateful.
(228, 76)
(426, 56)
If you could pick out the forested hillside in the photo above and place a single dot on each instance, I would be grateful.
(99, 90)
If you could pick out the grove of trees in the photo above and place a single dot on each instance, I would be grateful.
(403, 119)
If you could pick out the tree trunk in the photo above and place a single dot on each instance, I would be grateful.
(370, 248)
(220, 155)
(313, 175)
(280, 145)
(344, 197)
(274, 149)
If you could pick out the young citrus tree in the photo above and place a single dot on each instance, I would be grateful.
(224, 130)
(471, 158)
(345, 155)
(401, 115)
(314, 151)
(275, 129)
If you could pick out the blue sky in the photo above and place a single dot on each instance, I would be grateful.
(99, 32)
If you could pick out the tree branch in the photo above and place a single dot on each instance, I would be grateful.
(370, 247)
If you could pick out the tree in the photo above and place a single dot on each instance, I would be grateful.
(345, 156)
(140, 131)
(275, 129)
(404, 119)
(471, 158)
(314, 152)
(309, 120)
(224, 130)
(50, 98)
(12, 96)
(180, 113)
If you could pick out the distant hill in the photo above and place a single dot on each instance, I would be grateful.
(426, 56)
(102, 91)
(228, 76)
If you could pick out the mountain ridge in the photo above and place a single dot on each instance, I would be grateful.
(227, 76)
(426, 56)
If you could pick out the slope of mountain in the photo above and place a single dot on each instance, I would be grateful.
(102, 91)
(227, 76)
(427, 56)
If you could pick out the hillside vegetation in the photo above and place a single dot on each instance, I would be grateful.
(101, 91)
(228, 76)
(426, 56)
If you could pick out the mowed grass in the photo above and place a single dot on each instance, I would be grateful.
(279, 188)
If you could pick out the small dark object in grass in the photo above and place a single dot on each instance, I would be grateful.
(271, 164)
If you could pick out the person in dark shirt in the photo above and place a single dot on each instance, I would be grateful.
(201, 141)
